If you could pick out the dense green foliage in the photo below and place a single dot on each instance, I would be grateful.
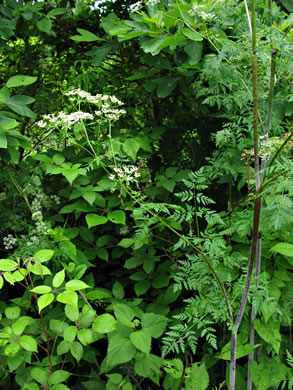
(128, 194)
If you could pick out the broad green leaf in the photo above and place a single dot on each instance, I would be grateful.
(90, 197)
(63, 347)
(197, 377)
(60, 386)
(85, 36)
(131, 147)
(126, 242)
(288, 5)
(118, 290)
(155, 45)
(21, 109)
(142, 339)
(28, 343)
(284, 248)
(58, 376)
(120, 350)
(69, 297)
(142, 287)
(3, 140)
(57, 326)
(115, 378)
(44, 255)
(12, 312)
(155, 323)
(76, 350)
(4, 94)
(165, 86)
(45, 300)
(174, 368)
(12, 349)
(39, 269)
(95, 220)
(44, 25)
(269, 332)
(42, 289)
(85, 336)
(75, 284)
(7, 265)
(70, 334)
(148, 365)
(58, 278)
(15, 362)
(19, 326)
(20, 99)
(242, 350)
(40, 375)
(17, 81)
(191, 34)
(109, 22)
(194, 52)
(57, 11)
(99, 293)
(267, 372)
(71, 312)
(58, 159)
(117, 216)
(104, 323)
(102, 254)
(123, 313)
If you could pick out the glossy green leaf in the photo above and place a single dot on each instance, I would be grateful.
(45, 300)
(18, 81)
(117, 216)
(69, 297)
(141, 339)
(7, 265)
(284, 248)
(104, 323)
(58, 278)
(19, 326)
(12, 349)
(71, 312)
(75, 284)
(95, 220)
(58, 376)
(76, 350)
(42, 289)
(28, 343)
(70, 334)
(85, 336)
(40, 375)
(44, 255)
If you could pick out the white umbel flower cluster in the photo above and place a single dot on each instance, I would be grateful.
(67, 120)
(9, 241)
(96, 99)
(126, 173)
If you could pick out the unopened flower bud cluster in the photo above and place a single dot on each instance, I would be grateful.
(126, 173)
(9, 241)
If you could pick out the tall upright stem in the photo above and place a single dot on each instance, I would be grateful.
(257, 204)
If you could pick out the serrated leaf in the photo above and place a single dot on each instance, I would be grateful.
(284, 248)
(95, 220)
(123, 313)
(17, 81)
(155, 323)
(104, 323)
(42, 289)
(75, 284)
(197, 377)
(45, 300)
(58, 278)
(120, 350)
(28, 343)
(142, 340)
